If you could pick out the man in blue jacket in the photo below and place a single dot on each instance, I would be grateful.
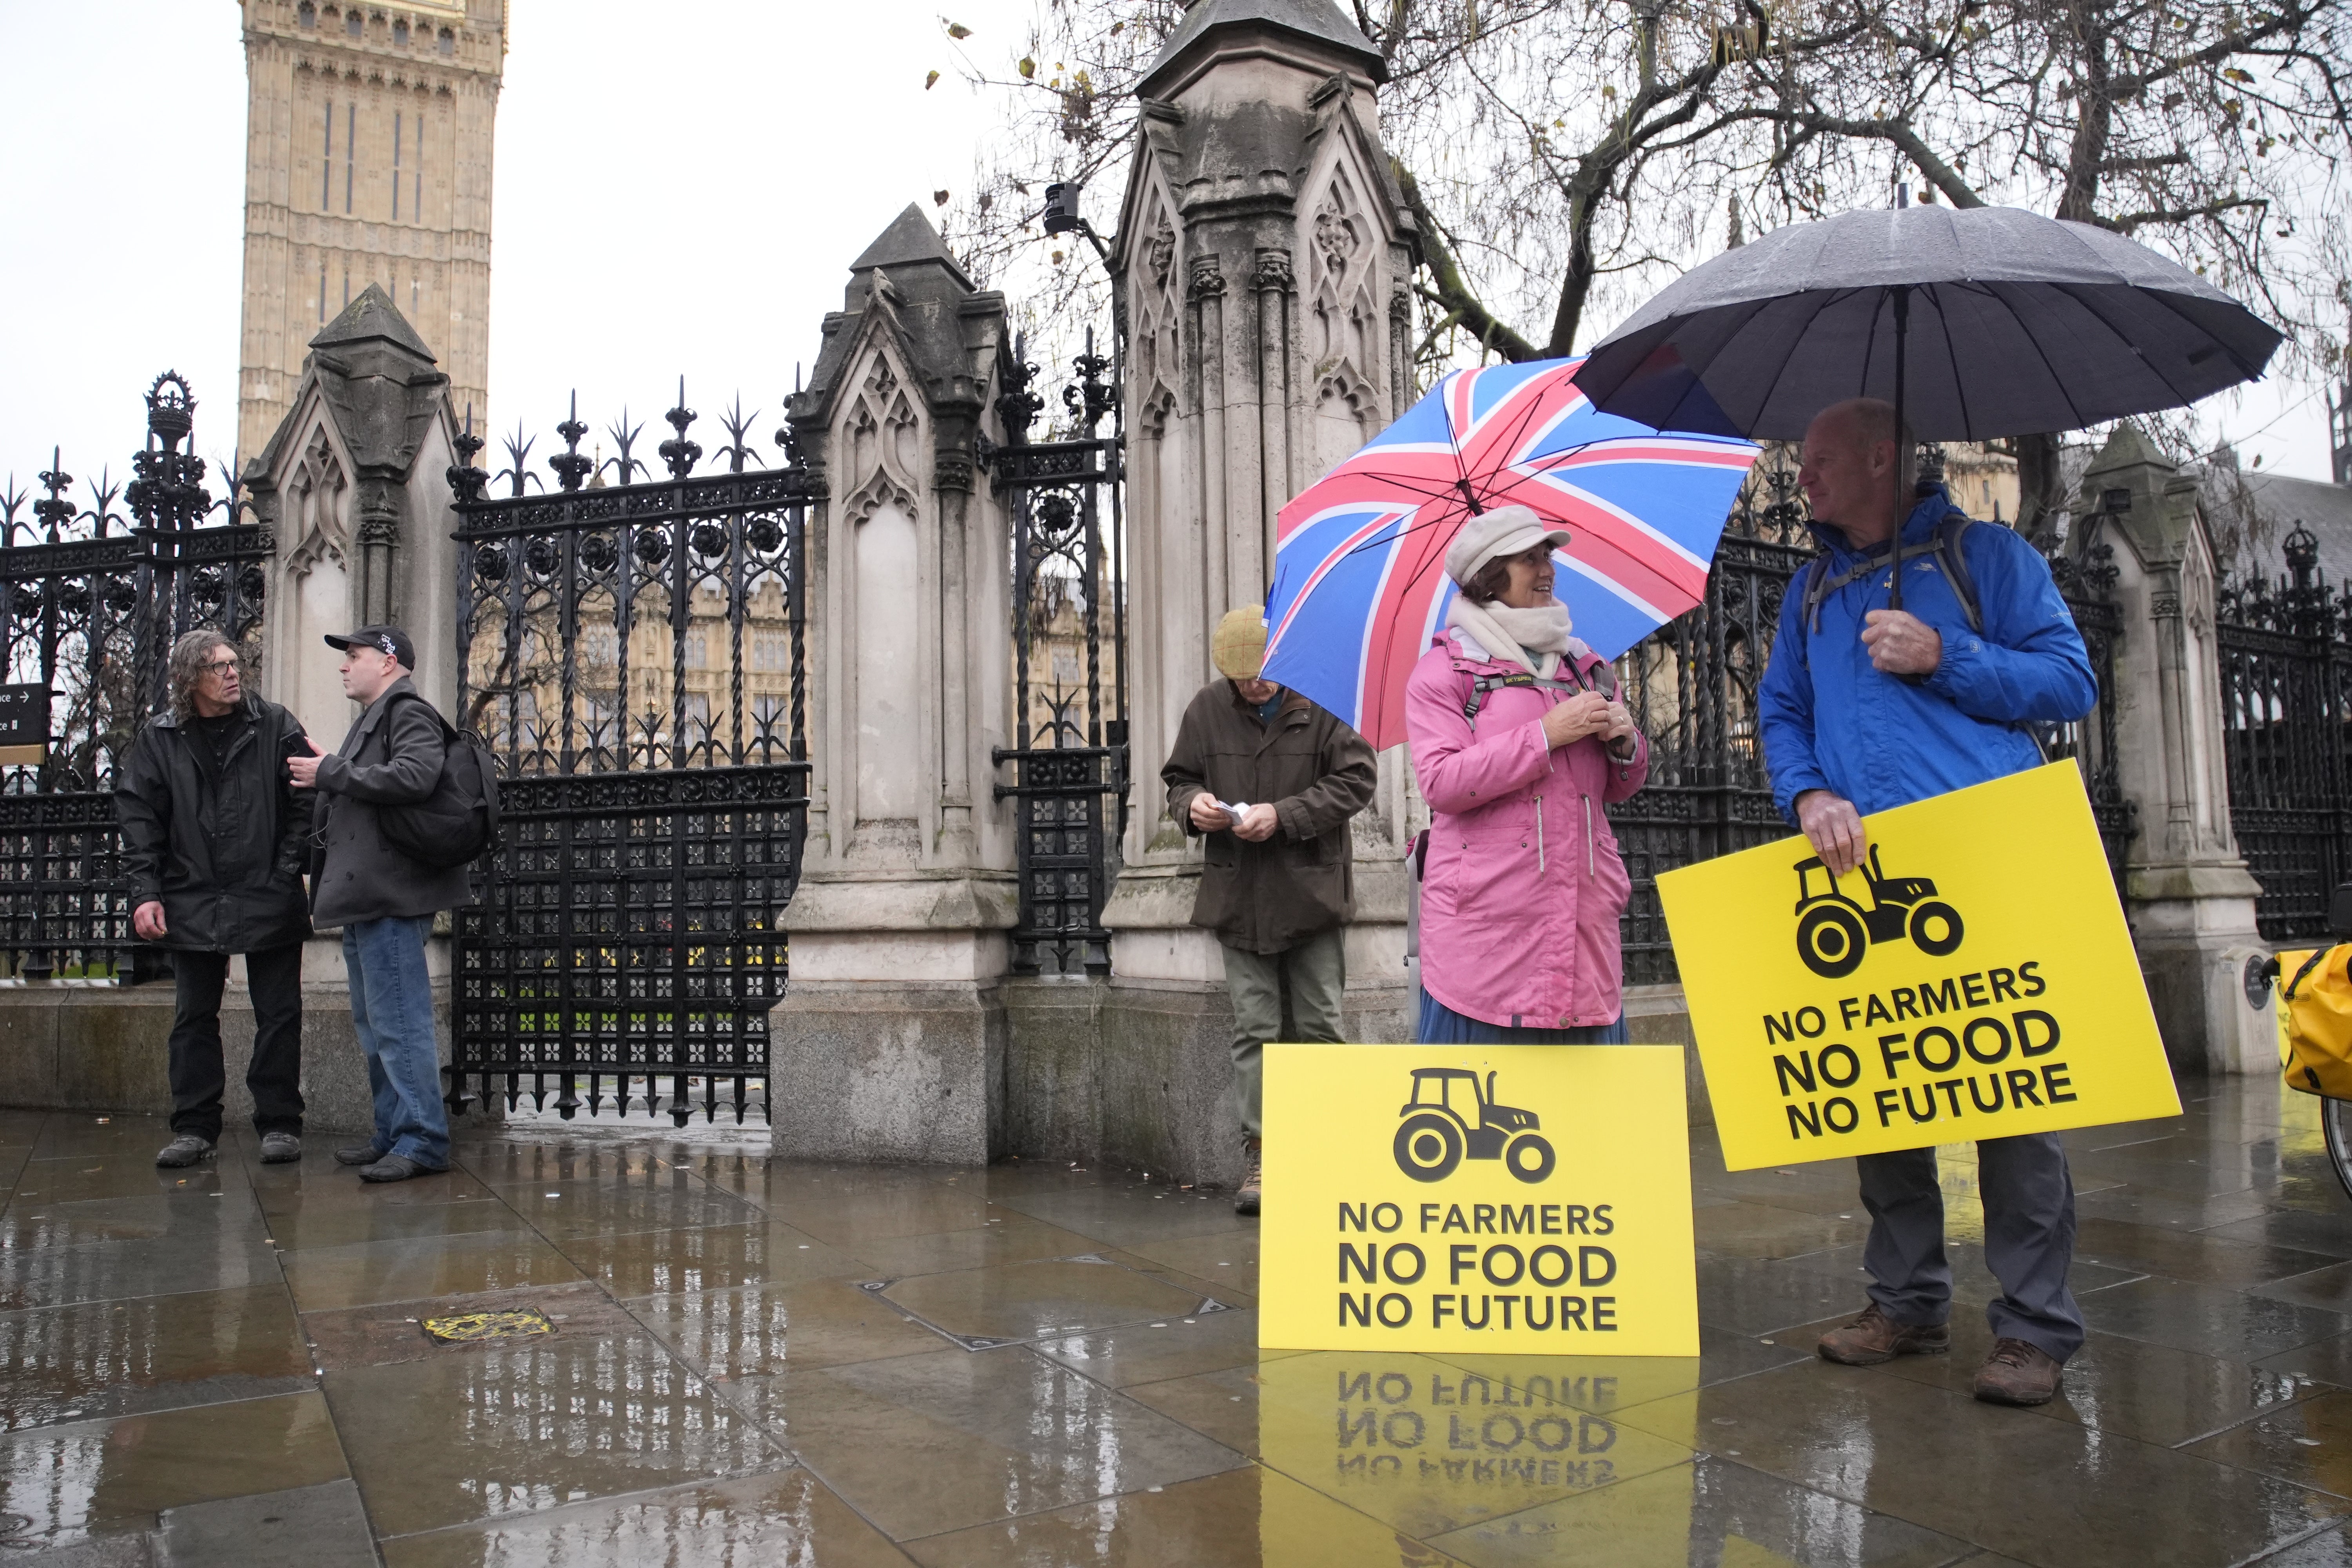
(1863, 708)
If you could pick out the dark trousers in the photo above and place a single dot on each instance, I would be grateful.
(2029, 1220)
(275, 1074)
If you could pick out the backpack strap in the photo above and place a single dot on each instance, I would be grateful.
(2314, 962)
(1476, 687)
(1944, 548)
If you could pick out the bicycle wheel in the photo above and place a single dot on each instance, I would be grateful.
(2336, 1120)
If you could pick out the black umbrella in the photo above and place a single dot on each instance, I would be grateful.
(1975, 322)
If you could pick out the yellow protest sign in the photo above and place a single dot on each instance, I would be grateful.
(1521, 1199)
(1974, 979)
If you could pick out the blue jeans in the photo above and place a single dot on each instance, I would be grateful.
(1441, 1025)
(392, 1010)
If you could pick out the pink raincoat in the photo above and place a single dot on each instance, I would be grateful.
(1523, 886)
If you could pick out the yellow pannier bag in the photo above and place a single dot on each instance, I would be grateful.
(2314, 1019)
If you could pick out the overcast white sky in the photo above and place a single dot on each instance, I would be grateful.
(679, 189)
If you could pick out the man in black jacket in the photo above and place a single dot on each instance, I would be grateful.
(213, 843)
(385, 900)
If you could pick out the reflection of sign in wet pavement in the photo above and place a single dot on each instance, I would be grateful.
(1428, 1447)
(1559, 1224)
(1873, 1030)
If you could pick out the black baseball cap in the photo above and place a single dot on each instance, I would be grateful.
(391, 641)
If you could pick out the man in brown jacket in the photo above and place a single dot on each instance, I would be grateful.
(1271, 780)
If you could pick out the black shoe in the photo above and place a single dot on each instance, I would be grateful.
(280, 1148)
(358, 1154)
(397, 1168)
(185, 1150)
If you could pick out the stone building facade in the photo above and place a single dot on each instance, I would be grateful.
(368, 144)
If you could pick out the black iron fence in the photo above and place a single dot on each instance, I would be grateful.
(93, 599)
(1692, 688)
(635, 652)
(1069, 649)
(2285, 651)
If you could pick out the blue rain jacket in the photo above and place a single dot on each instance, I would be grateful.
(1832, 721)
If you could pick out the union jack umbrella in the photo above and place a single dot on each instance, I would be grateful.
(1360, 584)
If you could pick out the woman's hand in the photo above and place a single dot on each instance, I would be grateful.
(1620, 733)
(1586, 713)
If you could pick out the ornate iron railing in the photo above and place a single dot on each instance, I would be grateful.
(93, 603)
(2285, 653)
(1069, 756)
(636, 655)
(1692, 688)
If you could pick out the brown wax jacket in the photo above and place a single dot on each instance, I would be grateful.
(1314, 771)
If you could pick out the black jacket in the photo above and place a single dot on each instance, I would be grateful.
(220, 843)
(393, 756)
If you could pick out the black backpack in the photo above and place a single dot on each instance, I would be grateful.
(459, 822)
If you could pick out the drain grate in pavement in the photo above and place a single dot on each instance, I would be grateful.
(473, 1328)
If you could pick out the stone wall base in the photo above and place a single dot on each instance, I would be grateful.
(73, 1045)
(873, 1070)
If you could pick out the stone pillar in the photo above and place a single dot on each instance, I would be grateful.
(890, 1042)
(2187, 890)
(354, 484)
(1263, 252)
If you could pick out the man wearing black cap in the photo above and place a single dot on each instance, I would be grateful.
(384, 901)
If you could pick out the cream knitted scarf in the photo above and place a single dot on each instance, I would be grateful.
(1512, 634)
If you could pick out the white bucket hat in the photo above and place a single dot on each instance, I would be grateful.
(1506, 530)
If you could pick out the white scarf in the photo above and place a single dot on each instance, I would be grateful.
(1511, 635)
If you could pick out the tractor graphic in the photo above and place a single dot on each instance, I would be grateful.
(1451, 1113)
(1833, 930)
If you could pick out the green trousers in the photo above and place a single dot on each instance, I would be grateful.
(1293, 995)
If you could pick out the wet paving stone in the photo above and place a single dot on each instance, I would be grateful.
(668, 1201)
(1244, 1516)
(2211, 1319)
(926, 1443)
(422, 1268)
(1159, 1350)
(784, 1517)
(762, 1360)
(521, 1425)
(208, 1258)
(714, 1257)
(1709, 1511)
(2309, 1444)
(2041, 1490)
(764, 1329)
(111, 1358)
(1026, 1300)
(1014, 1239)
(71, 1482)
(323, 1526)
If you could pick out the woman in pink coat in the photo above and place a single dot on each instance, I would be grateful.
(1523, 884)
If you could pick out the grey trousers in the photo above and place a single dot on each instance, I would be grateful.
(2028, 1214)
(1302, 984)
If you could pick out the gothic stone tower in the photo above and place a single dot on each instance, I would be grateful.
(367, 160)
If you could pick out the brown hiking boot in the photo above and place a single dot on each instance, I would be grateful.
(1874, 1337)
(2018, 1373)
(1246, 1196)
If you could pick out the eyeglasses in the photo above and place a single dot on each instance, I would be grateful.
(221, 667)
